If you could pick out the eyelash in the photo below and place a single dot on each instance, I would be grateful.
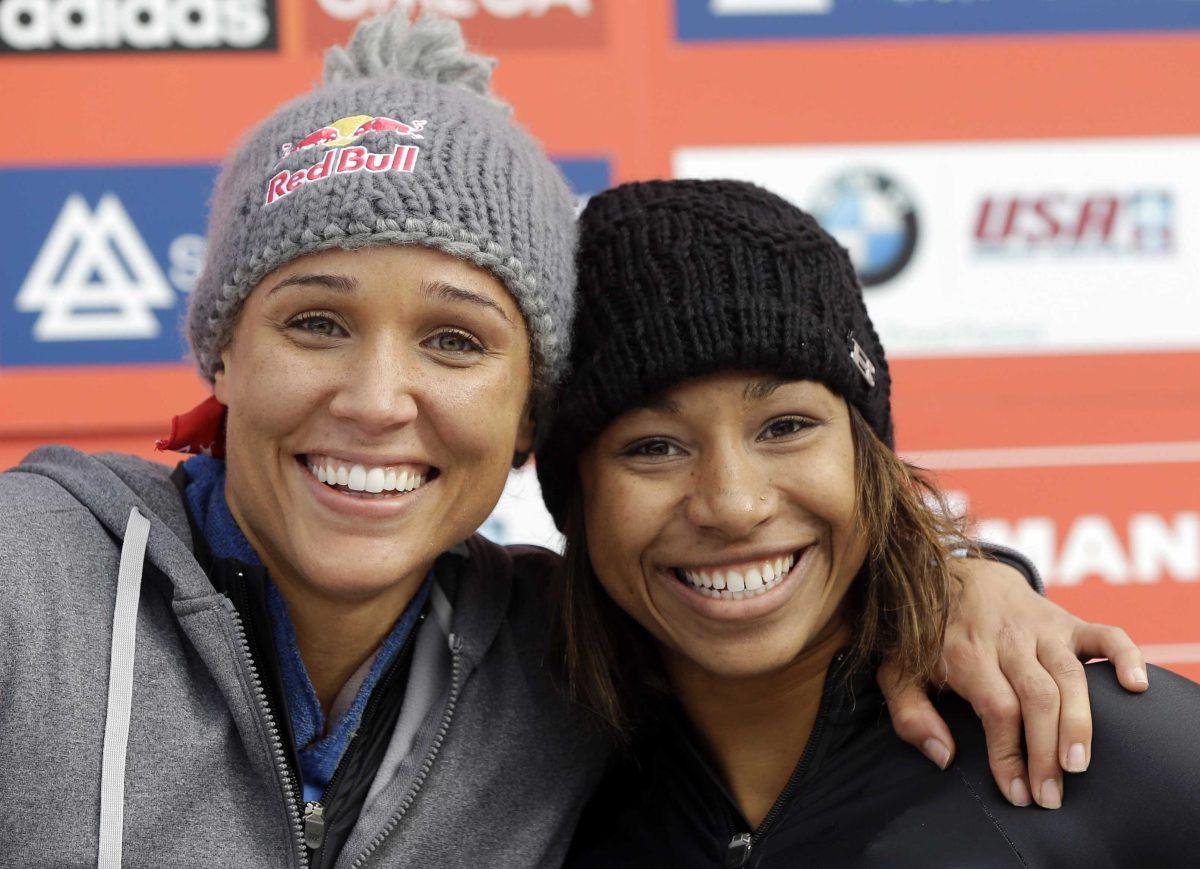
(803, 423)
(638, 450)
(473, 343)
(301, 321)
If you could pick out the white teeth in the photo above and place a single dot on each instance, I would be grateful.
(362, 478)
(739, 584)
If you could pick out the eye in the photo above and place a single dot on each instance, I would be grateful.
(652, 448)
(317, 324)
(454, 341)
(785, 427)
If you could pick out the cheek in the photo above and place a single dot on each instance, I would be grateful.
(269, 391)
(620, 522)
(478, 416)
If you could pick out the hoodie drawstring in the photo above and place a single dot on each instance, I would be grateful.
(120, 691)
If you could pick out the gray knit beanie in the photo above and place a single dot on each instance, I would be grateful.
(402, 143)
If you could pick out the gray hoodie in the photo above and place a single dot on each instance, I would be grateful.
(151, 744)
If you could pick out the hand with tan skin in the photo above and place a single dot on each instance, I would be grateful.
(736, 469)
(384, 357)
(1016, 657)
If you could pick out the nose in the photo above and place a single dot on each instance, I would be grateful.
(732, 494)
(377, 391)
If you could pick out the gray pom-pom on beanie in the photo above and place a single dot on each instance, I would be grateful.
(403, 143)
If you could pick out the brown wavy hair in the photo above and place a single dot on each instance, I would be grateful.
(898, 603)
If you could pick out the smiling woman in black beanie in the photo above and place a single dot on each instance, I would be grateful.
(743, 547)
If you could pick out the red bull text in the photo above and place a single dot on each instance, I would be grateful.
(342, 161)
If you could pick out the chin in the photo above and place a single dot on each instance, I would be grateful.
(743, 660)
(353, 574)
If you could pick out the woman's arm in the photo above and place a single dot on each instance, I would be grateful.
(1016, 658)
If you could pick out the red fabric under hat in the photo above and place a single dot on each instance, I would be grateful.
(200, 431)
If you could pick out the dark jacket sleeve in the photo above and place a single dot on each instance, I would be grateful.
(1139, 801)
(1015, 560)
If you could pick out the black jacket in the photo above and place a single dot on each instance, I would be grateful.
(861, 797)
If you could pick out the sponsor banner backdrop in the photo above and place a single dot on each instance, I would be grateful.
(49, 26)
(95, 264)
(493, 23)
(980, 248)
(1115, 533)
(792, 19)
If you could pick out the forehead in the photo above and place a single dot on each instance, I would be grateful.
(394, 268)
(744, 387)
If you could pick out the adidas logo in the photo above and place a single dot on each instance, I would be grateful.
(90, 25)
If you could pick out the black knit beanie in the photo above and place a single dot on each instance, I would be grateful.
(679, 279)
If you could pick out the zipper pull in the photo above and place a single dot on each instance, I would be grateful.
(314, 825)
(737, 852)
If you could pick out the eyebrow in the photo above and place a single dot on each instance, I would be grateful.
(337, 283)
(660, 403)
(760, 389)
(451, 293)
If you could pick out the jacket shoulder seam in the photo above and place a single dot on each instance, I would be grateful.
(1012, 846)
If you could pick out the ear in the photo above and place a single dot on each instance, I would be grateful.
(221, 380)
(525, 436)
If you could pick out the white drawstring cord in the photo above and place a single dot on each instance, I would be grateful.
(120, 691)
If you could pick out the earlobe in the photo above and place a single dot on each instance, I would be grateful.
(526, 432)
(220, 386)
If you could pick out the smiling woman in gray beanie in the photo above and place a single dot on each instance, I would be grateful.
(292, 651)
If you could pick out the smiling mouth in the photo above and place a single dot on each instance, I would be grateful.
(368, 481)
(738, 581)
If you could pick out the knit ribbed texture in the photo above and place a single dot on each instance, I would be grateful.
(480, 188)
(679, 279)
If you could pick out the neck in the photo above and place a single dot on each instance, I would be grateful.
(336, 636)
(756, 728)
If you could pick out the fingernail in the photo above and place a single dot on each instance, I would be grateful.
(1139, 676)
(1051, 795)
(1076, 758)
(936, 751)
(1018, 794)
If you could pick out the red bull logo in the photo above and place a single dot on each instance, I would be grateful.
(342, 156)
(342, 161)
(348, 130)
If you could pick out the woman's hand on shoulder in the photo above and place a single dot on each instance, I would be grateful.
(1016, 657)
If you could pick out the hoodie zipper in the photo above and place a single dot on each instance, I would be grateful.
(455, 642)
(279, 753)
(742, 845)
(314, 812)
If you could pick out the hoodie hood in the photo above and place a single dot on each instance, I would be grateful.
(110, 485)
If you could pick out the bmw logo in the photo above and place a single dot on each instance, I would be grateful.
(873, 218)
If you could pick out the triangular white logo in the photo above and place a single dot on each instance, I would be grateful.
(94, 278)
